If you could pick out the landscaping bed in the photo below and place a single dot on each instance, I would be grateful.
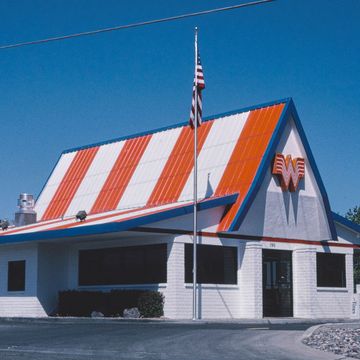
(340, 340)
(110, 304)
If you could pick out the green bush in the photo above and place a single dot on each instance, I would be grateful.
(151, 304)
(113, 303)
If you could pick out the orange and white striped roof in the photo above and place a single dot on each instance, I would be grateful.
(157, 168)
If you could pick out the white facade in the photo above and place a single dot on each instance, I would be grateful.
(51, 268)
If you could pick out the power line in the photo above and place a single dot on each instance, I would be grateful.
(144, 23)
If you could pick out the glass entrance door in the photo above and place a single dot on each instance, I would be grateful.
(277, 283)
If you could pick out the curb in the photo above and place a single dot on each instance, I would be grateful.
(307, 333)
(267, 321)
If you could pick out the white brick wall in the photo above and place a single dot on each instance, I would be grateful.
(175, 304)
(250, 276)
(336, 302)
(20, 303)
(52, 274)
(21, 306)
(304, 282)
(50, 269)
(214, 301)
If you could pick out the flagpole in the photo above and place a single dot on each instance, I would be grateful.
(195, 315)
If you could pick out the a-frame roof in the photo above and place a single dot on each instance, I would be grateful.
(289, 113)
(156, 168)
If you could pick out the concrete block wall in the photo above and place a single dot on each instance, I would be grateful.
(214, 300)
(175, 304)
(311, 301)
(51, 268)
(336, 302)
(304, 282)
(20, 303)
(52, 274)
(250, 281)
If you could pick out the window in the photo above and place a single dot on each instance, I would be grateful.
(330, 270)
(215, 264)
(16, 275)
(123, 265)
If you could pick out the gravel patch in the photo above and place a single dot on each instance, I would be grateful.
(339, 340)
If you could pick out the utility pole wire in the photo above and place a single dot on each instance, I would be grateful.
(144, 23)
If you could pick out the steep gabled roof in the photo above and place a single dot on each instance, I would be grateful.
(289, 112)
(156, 168)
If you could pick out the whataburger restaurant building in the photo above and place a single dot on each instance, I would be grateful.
(269, 244)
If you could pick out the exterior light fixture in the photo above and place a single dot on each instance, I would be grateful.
(81, 215)
(4, 224)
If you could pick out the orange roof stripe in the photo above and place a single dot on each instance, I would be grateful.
(120, 174)
(178, 166)
(246, 158)
(70, 183)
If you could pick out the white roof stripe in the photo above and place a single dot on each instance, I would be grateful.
(212, 162)
(149, 169)
(95, 178)
(215, 155)
(53, 183)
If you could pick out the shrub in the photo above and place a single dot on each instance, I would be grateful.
(151, 304)
(113, 303)
(79, 303)
(119, 300)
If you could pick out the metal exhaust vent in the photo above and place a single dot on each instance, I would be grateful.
(26, 214)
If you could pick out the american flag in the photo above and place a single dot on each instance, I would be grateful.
(199, 83)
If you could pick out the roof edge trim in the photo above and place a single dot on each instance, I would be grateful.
(174, 126)
(117, 226)
(345, 222)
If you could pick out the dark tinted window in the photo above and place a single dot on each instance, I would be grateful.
(123, 265)
(215, 264)
(330, 270)
(16, 275)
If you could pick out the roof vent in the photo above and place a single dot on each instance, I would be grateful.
(26, 214)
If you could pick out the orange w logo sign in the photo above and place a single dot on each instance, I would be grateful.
(289, 171)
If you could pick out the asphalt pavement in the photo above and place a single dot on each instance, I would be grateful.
(91, 339)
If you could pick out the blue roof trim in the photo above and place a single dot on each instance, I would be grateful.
(315, 170)
(207, 118)
(118, 226)
(289, 112)
(347, 223)
(264, 165)
(48, 178)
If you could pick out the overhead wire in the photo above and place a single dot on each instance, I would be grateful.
(134, 25)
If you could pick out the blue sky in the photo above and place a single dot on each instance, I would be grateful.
(71, 93)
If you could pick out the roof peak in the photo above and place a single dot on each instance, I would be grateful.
(173, 126)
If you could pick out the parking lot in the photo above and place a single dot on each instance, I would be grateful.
(118, 339)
